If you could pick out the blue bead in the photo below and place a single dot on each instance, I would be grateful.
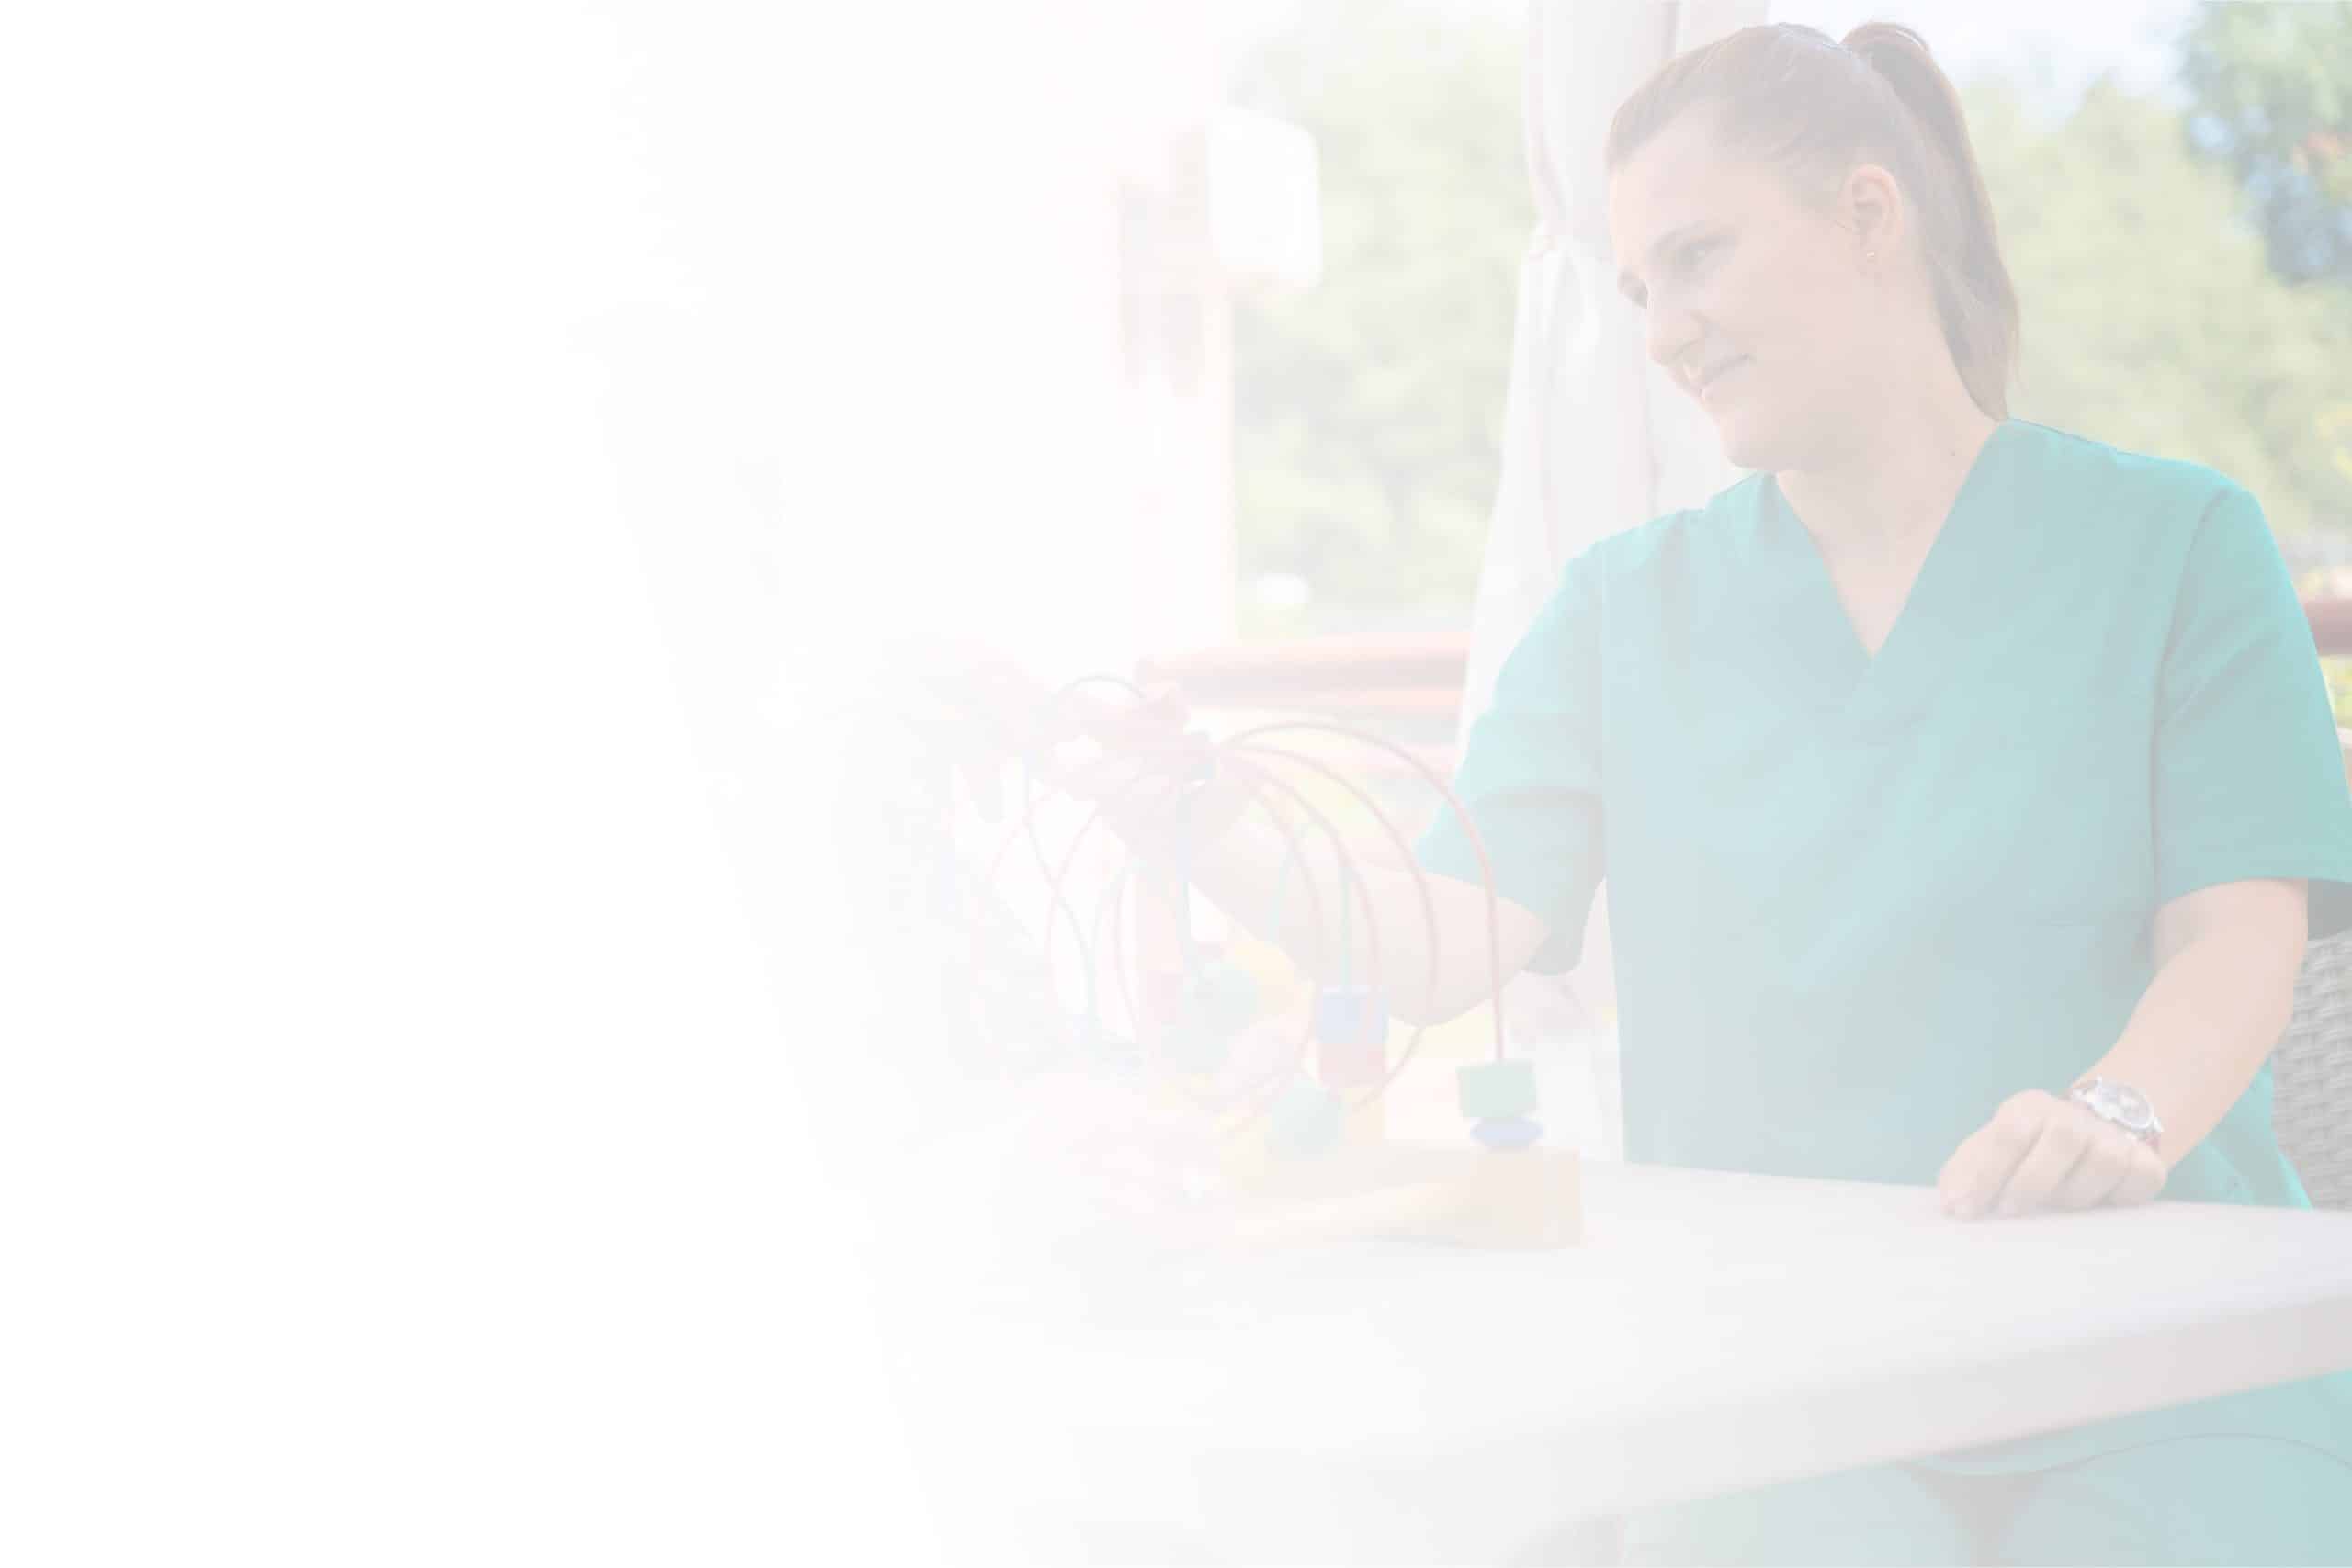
(1507, 1132)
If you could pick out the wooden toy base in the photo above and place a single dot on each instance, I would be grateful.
(1526, 1199)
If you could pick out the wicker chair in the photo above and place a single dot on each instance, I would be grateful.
(2311, 1069)
(2311, 1074)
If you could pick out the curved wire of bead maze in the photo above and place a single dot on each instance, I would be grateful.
(1182, 765)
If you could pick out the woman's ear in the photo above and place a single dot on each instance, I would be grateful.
(1871, 206)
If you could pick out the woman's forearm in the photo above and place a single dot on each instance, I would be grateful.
(2203, 1030)
(1293, 897)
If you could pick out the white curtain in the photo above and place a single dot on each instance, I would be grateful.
(1596, 438)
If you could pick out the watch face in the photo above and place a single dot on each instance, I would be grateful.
(2122, 1104)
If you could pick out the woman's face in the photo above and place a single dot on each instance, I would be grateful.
(1757, 306)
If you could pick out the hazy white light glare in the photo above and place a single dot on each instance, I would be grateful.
(1263, 187)
(1283, 590)
(968, 446)
(395, 1131)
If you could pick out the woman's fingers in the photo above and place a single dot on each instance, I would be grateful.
(2042, 1152)
(1973, 1178)
(2040, 1179)
(2106, 1160)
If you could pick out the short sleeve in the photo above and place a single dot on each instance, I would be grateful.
(1529, 774)
(2249, 778)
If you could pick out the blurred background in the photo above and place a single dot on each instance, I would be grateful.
(1251, 283)
(2173, 190)
(1196, 336)
(1220, 391)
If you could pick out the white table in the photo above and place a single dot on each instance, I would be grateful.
(1410, 1403)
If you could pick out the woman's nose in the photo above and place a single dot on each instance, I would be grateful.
(1672, 337)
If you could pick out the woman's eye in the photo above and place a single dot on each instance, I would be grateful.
(1695, 249)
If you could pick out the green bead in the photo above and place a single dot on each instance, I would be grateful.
(1495, 1091)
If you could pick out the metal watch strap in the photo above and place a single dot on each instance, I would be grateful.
(2099, 1096)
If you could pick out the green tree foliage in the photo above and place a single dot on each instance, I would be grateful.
(2151, 319)
(2271, 89)
(1368, 409)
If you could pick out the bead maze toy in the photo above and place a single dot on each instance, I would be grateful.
(1305, 1150)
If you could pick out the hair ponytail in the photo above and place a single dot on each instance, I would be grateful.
(1973, 288)
(1792, 97)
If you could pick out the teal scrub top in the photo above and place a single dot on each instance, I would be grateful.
(1859, 900)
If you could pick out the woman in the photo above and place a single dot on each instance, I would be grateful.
(1946, 763)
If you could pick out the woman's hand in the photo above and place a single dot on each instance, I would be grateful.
(2041, 1151)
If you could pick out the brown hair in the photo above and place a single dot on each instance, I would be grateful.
(1789, 95)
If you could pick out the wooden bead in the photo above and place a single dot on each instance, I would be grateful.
(1531, 1199)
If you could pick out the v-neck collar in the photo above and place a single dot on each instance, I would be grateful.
(1950, 596)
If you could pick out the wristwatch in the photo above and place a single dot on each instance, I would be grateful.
(2122, 1104)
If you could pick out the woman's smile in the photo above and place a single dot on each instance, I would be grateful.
(1709, 388)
